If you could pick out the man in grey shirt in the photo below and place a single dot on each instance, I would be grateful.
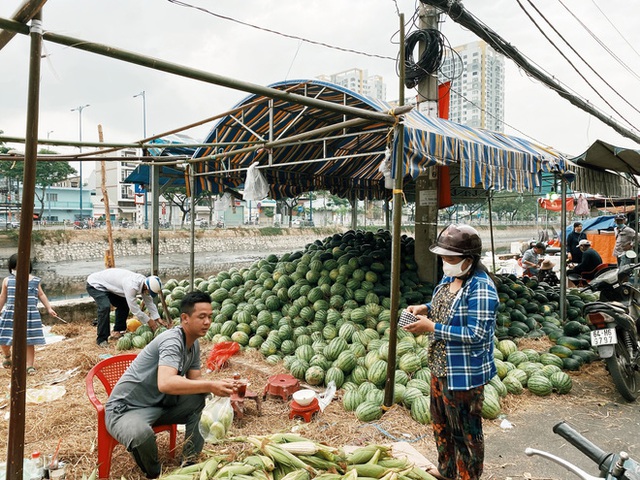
(162, 386)
(625, 239)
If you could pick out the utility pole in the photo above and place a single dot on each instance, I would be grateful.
(79, 110)
(144, 135)
(426, 219)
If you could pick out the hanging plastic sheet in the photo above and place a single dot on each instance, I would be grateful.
(255, 185)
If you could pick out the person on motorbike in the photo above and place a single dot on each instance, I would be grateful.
(461, 319)
(586, 268)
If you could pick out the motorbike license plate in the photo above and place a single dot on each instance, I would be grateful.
(604, 336)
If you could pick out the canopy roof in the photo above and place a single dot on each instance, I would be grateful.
(606, 157)
(346, 160)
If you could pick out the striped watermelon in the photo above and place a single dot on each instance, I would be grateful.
(420, 410)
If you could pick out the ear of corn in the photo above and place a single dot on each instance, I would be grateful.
(394, 462)
(179, 476)
(419, 474)
(300, 448)
(234, 468)
(286, 438)
(321, 463)
(300, 474)
(369, 470)
(365, 454)
(209, 469)
(283, 457)
(269, 466)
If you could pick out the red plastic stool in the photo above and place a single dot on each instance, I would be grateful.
(305, 412)
(282, 385)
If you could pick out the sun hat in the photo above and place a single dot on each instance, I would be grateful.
(546, 265)
(621, 216)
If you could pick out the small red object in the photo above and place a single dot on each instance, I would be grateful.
(305, 412)
(282, 385)
(220, 353)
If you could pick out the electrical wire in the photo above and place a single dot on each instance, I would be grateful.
(614, 27)
(430, 59)
(581, 58)
(275, 32)
(601, 43)
(503, 47)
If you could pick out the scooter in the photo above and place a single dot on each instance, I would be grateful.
(611, 466)
(614, 326)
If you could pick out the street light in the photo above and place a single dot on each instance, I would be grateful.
(49, 133)
(79, 110)
(144, 135)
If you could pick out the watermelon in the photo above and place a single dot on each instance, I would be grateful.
(561, 382)
(368, 412)
(420, 410)
(539, 385)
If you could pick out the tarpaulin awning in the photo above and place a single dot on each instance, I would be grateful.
(603, 158)
(346, 162)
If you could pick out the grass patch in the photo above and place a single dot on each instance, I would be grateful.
(270, 231)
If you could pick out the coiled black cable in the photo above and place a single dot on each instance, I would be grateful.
(430, 59)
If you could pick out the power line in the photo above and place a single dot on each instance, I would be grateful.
(614, 27)
(275, 32)
(580, 57)
(457, 12)
(601, 43)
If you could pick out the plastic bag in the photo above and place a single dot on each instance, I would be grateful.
(255, 185)
(216, 419)
(223, 203)
(220, 353)
(324, 399)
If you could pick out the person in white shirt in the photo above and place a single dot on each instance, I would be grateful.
(120, 287)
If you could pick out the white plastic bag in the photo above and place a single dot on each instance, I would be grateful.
(255, 185)
(216, 419)
(385, 169)
(324, 399)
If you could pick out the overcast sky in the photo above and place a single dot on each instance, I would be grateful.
(190, 37)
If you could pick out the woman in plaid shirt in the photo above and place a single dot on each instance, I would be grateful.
(461, 318)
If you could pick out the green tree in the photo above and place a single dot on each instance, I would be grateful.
(48, 173)
(178, 196)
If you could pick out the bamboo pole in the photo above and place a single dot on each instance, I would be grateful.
(15, 444)
(109, 256)
(396, 238)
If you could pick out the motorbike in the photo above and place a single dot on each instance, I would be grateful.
(614, 326)
(612, 466)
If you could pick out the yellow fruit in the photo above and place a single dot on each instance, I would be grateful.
(133, 324)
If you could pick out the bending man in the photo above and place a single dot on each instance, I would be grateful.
(120, 287)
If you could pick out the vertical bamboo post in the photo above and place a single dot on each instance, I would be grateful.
(109, 256)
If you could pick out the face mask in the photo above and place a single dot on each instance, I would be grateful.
(454, 270)
(620, 225)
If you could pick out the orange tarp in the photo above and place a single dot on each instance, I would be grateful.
(603, 243)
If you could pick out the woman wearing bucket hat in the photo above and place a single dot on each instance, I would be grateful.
(547, 275)
(461, 319)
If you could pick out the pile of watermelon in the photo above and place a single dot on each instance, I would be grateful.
(138, 339)
(325, 313)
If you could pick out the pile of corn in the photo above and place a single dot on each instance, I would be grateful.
(293, 457)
